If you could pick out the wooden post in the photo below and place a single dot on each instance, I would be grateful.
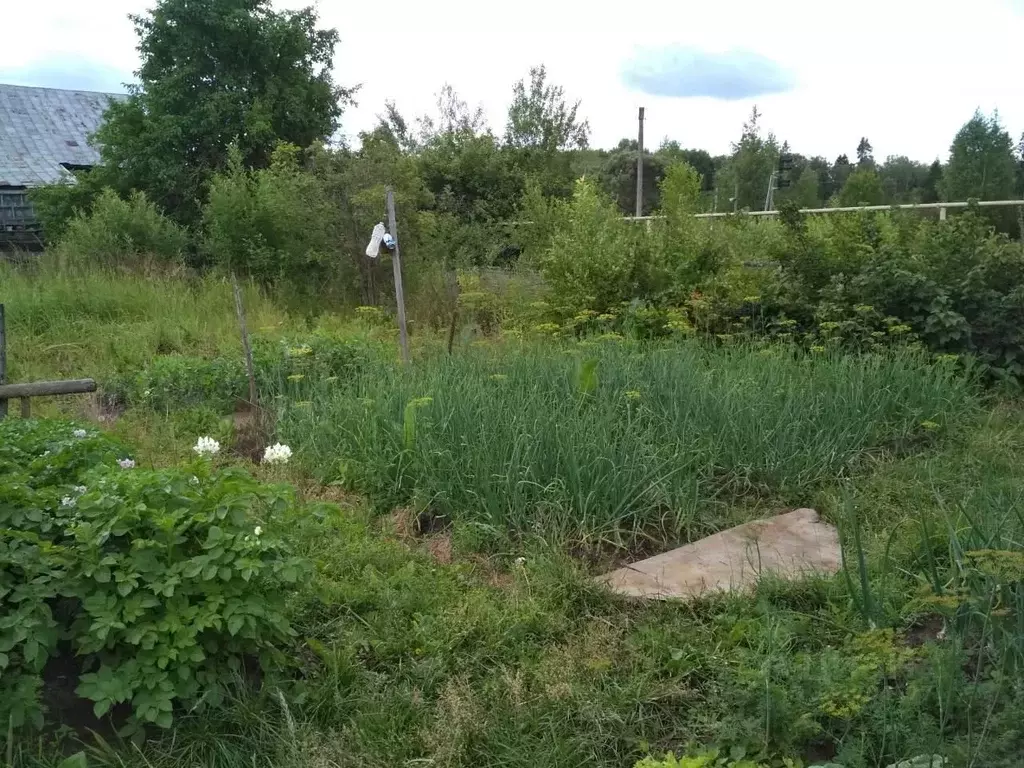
(246, 346)
(452, 280)
(942, 214)
(396, 262)
(26, 407)
(3, 359)
(640, 167)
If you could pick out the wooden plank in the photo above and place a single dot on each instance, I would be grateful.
(44, 388)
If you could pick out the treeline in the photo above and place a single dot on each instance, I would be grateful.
(222, 155)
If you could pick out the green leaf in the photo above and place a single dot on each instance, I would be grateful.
(586, 381)
(235, 623)
(77, 760)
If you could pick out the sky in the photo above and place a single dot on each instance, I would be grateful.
(904, 73)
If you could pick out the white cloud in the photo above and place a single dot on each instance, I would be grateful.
(906, 74)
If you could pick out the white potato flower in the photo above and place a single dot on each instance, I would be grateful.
(277, 454)
(206, 446)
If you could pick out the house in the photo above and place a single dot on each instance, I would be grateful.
(44, 137)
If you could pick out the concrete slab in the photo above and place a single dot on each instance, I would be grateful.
(789, 546)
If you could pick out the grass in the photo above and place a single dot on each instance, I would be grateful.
(614, 443)
(404, 659)
(97, 322)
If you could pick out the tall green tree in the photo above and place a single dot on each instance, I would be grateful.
(931, 190)
(747, 172)
(863, 187)
(865, 152)
(618, 177)
(981, 161)
(903, 179)
(542, 131)
(216, 73)
(539, 116)
(804, 190)
(698, 159)
(839, 173)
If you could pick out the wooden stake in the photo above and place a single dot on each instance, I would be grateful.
(3, 359)
(453, 296)
(246, 346)
(396, 262)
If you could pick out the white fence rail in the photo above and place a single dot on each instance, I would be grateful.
(940, 207)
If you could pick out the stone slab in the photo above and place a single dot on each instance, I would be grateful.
(789, 546)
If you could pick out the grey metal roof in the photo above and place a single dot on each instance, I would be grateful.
(40, 128)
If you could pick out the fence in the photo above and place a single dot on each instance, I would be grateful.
(942, 208)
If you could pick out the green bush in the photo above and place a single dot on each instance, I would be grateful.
(589, 262)
(277, 225)
(159, 586)
(118, 232)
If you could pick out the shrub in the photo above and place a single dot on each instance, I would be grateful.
(161, 586)
(57, 205)
(589, 262)
(120, 232)
(276, 224)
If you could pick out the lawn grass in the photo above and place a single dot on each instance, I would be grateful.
(403, 658)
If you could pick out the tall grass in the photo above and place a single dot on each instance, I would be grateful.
(613, 442)
(64, 322)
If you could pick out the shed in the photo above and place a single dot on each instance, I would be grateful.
(44, 136)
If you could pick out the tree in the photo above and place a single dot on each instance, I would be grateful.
(702, 162)
(932, 187)
(747, 172)
(804, 191)
(839, 173)
(863, 187)
(454, 118)
(214, 73)
(540, 118)
(864, 152)
(1020, 166)
(618, 177)
(903, 179)
(981, 161)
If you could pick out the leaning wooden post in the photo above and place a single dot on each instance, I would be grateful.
(3, 359)
(396, 262)
(246, 346)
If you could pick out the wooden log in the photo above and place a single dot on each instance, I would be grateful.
(44, 388)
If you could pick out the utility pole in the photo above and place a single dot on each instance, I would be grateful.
(640, 166)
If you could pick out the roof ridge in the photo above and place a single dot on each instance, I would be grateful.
(61, 90)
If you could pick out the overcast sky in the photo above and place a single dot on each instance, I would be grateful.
(904, 73)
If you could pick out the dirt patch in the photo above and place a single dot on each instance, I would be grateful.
(103, 408)
(927, 629)
(422, 530)
(253, 427)
(310, 490)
